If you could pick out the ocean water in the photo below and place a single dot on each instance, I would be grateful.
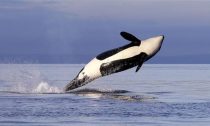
(158, 95)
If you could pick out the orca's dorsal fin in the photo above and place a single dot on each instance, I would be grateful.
(142, 57)
(130, 37)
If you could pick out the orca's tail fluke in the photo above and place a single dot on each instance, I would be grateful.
(71, 85)
(75, 83)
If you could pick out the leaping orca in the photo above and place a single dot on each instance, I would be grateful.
(119, 59)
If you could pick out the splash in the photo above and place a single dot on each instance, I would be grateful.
(41, 88)
(26, 79)
(44, 87)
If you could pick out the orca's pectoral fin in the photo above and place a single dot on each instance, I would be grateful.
(139, 66)
(130, 37)
(142, 57)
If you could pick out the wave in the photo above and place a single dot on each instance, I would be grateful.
(98, 91)
(111, 94)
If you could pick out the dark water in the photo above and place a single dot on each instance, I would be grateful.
(157, 95)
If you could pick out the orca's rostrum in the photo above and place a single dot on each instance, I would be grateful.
(119, 59)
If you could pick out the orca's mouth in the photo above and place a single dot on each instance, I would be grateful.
(75, 83)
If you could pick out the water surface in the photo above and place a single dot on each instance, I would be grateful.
(157, 95)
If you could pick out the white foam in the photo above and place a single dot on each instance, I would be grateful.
(89, 95)
(44, 87)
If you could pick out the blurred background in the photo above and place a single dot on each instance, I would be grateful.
(75, 31)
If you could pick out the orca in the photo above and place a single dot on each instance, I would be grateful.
(119, 59)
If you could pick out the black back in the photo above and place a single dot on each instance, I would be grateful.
(111, 52)
(134, 42)
(122, 64)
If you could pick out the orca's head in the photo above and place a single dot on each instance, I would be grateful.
(152, 45)
(81, 79)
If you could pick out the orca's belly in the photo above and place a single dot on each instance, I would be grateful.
(118, 65)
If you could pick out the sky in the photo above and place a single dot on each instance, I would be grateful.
(75, 31)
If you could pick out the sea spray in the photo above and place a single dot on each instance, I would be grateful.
(26, 79)
(44, 87)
